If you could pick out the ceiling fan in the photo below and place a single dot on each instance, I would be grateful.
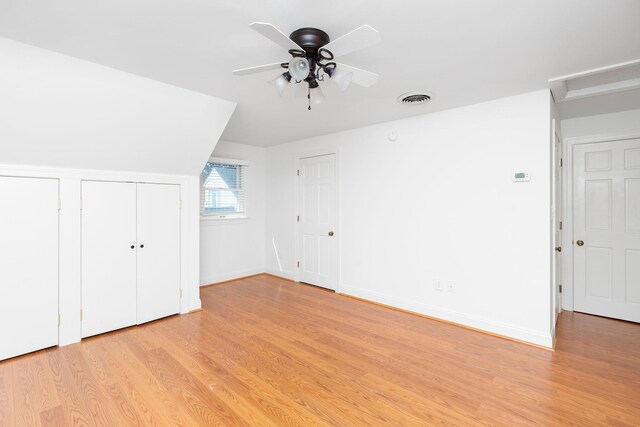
(313, 55)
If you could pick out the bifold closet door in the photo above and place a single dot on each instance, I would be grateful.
(28, 265)
(108, 256)
(158, 251)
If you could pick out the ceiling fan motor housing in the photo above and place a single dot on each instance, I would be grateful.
(310, 39)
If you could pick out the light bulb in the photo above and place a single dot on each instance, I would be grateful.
(281, 82)
(317, 97)
(342, 78)
(299, 68)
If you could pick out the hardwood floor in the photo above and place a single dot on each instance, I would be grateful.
(270, 352)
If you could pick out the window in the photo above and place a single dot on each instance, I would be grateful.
(222, 189)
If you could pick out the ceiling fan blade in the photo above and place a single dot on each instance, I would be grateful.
(360, 77)
(359, 38)
(274, 34)
(258, 69)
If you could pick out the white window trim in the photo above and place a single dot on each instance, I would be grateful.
(227, 217)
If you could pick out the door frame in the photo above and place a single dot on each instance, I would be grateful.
(557, 166)
(567, 206)
(296, 189)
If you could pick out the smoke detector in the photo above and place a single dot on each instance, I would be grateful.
(415, 98)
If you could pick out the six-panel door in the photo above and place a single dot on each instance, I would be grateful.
(318, 221)
(607, 229)
(28, 265)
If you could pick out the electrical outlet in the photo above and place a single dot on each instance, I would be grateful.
(438, 285)
(451, 287)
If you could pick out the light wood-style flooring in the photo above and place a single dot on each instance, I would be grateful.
(270, 352)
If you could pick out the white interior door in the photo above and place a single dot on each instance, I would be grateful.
(318, 221)
(607, 229)
(28, 265)
(158, 251)
(108, 256)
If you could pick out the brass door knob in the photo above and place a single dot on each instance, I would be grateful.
(331, 233)
(559, 248)
(580, 243)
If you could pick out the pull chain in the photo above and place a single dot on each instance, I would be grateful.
(309, 98)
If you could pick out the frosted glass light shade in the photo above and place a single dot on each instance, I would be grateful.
(317, 97)
(341, 78)
(280, 83)
(299, 68)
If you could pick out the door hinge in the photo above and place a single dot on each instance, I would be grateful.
(298, 264)
(59, 204)
(81, 204)
(298, 172)
(298, 218)
(81, 315)
(560, 162)
(59, 319)
(560, 225)
(560, 288)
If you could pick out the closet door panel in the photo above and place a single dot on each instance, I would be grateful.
(108, 256)
(158, 251)
(28, 265)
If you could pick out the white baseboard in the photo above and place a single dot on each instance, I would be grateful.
(518, 333)
(223, 277)
(284, 274)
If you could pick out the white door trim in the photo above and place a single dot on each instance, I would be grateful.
(567, 206)
(296, 188)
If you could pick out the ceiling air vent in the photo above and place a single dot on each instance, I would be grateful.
(414, 98)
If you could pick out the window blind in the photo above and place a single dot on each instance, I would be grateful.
(222, 189)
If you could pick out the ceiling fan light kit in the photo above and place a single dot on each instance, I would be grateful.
(340, 77)
(281, 82)
(299, 68)
(313, 55)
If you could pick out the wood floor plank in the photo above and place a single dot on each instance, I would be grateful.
(157, 403)
(242, 387)
(269, 352)
(54, 417)
(7, 413)
(356, 362)
(270, 377)
(34, 392)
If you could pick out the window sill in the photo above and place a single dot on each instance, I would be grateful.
(223, 220)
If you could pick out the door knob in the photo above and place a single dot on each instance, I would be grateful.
(579, 243)
(559, 248)
(132, 247)
(331, 233)
(141, 246)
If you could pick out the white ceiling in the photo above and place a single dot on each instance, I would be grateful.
(464, 51)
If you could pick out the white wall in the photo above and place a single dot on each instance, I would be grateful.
(233, 248)
(620, 123)
(64, 118)
(438, 204)
(59, 111)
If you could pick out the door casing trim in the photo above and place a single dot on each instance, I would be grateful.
(567, 206)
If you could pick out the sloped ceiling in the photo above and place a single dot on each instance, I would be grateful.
(465, 51)
(59, 111)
